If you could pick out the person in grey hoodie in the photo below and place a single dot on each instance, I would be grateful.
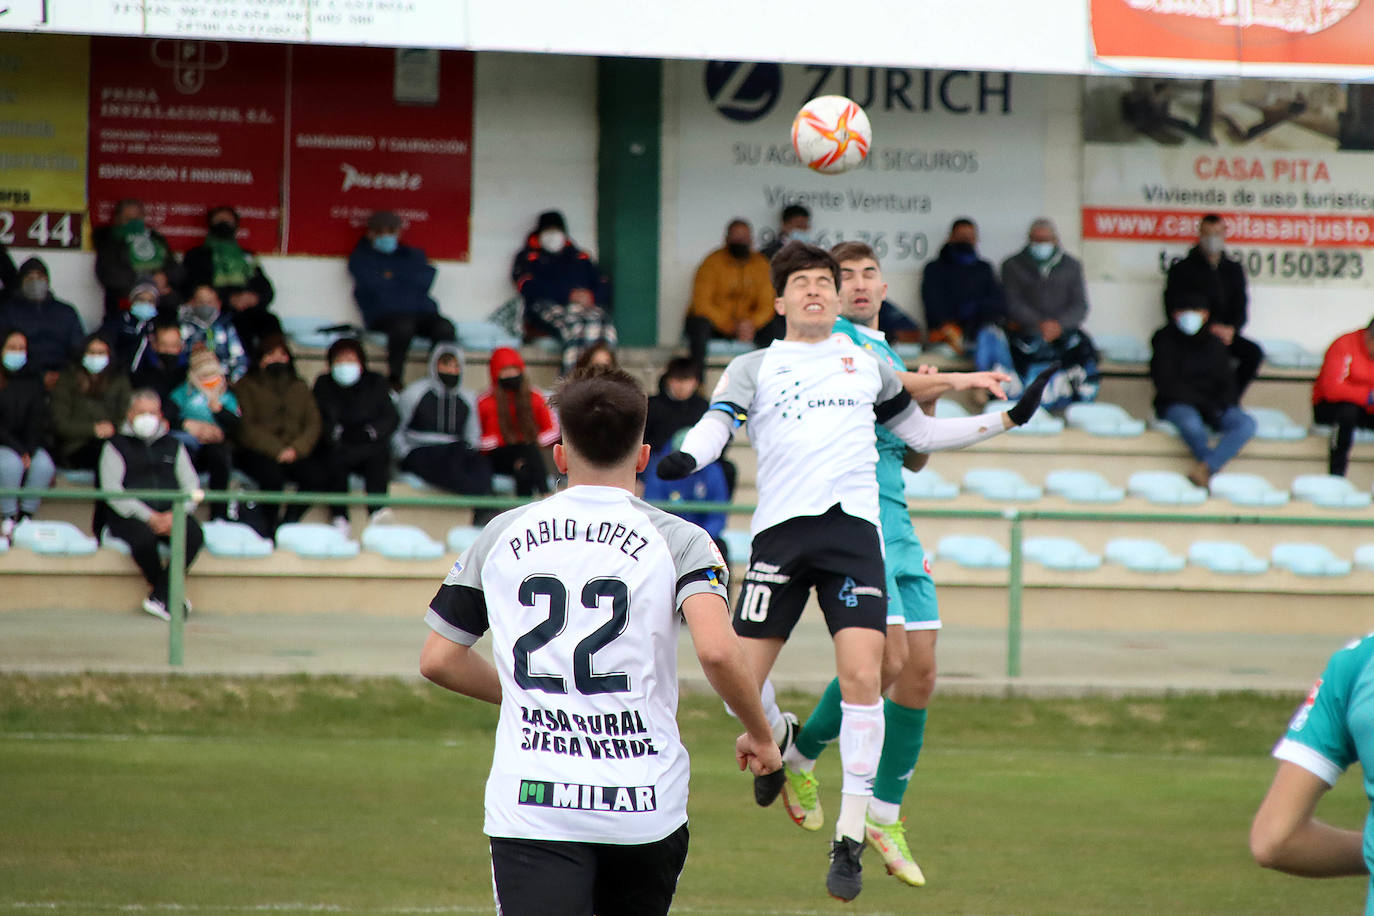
(438, 433)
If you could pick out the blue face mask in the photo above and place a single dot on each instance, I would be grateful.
(1189, 322)
(386, 244)
(95, 363)
(346, 374)
(143, 311)
(1042, 251)
(14, 360)
(801, 235)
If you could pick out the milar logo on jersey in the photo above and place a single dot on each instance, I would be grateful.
(587, 798)
(848, 362)
(1300, 717)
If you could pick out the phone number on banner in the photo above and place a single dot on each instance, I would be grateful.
(901, 246)
(1288, 264)
(40, 229)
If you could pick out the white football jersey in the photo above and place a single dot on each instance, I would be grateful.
(582, 593)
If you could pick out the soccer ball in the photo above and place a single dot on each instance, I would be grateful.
(831, 134)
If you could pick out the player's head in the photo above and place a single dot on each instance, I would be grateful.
(602, 412)
(862, 288)
(807, 282)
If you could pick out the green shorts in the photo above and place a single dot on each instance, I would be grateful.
(911, 601)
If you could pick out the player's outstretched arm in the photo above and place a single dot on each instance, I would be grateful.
(1286, 837)
(702, 445)
(925, 387)
(456, 667)
(722, 660)
(929, 434)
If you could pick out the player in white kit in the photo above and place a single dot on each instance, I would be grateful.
(584, 594)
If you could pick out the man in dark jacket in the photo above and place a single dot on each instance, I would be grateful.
(1195, 388)
(960, 291)
(678, 406)
(52, 326)
(566, 295)
(439, 433)
(162, 366)
(144, 456)
(357, 420)
(236, 276)
(391, 282)
(127, 251)
(1206, 271)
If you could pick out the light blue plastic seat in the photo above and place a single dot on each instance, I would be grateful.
(234, 539)
(728, 347)
(1083, 487)
(1361, 434)
(62, 539)
(461, 537)
(1104, 420)
(1227, 558)
(1155, 424)
(77, 477)
(1288, 354)
(415, 482)
(945, 409)
(502, 485)
(1306, 559)
(1041, 423)
(928, 484)
(1143, 555)
(738, 543)
(1063, 554)
(1248, 490)
(910, 352)
(316, 541)
(1275, 425)
(1001, 485)
(401, 542)
(485, 335)
(973, 551)
(1329, 492)
(1165, 488)
(1122, 348)
(1364, 557)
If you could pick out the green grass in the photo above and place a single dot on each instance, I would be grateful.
(213, 795)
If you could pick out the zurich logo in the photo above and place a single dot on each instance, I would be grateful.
(743, 91)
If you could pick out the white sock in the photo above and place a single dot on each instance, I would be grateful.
(881, 812)
(776, 722)
(850, 823)
(861, 745)
(796, 760)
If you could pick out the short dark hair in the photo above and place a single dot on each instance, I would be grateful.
(738, 222)
(216, 211)
(602, 412)
(852, 251)
(795, 256)
(683, 367)
(961, 222)
(792, 211)
(348, 344)
(1211, 219)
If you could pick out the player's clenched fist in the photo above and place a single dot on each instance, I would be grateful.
(761, 756)
(676, 465)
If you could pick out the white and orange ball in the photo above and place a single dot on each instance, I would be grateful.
(831, 134)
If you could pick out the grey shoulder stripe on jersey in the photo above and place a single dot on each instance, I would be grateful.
(690, 546)
(735, 391)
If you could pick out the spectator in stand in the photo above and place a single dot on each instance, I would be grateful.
(600, 354)
(566, 295)
(204, 322)
(126, 251)
(391, 283)
(236, 276)
(143, 456)
(516, 424)
(732, 296)
(9, 277)
(23, 430)
(51, 326)
(960, 291)
(897, 326)
(162, 366)
(707, 485)
(1047, 303)
(279, 429)
(207, 421)
(678, 406)
(89, 402)
(1343, 395)
(357, 420)
(131, 331)
(795, 226)
(1195, 389)
(1208, 272)
(439, 434)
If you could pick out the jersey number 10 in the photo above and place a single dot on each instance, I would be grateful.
(548, 629)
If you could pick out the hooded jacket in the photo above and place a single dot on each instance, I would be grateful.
(356, 419)
(386, 285)
(52, 326)
(1052, 291)
(551, 276)
(668, 415)
(278, 412)
(1193, 369)
(1222, 286)
(431, 413)
(545, 423)
(219, 336)
(957, 290)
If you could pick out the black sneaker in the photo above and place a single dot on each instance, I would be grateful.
(768, 787)
(845, 878)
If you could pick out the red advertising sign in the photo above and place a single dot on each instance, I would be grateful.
(187, 125)
(380, 129)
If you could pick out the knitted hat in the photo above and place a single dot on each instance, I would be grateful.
(204, 362)
(551, 219)
(145, 288)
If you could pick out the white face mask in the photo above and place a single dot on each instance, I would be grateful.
(346, 374)
(1042, 251)
(146, 425)
(95, 363)
(1189, 322)
(552, 240)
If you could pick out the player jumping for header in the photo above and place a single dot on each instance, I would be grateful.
(811, 400)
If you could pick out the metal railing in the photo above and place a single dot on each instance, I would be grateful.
(1014, 517)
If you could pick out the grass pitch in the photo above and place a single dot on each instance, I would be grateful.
(214, 795)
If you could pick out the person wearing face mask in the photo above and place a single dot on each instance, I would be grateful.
(732, 295)
(358, 420)
(960, 292)
(204, 322)
(438, 435)
(1195, 389)
(52, 327)
(236, 275)
(144, 456)
(88, 404)
(279, 430)
(23, 429)
(1047, 303)
(162, 365)
(516, 424)
(126, 251)
(206, 421)
(391, 284)
(795, 227)
(566, 296)
(1208, 272)
(131, 331)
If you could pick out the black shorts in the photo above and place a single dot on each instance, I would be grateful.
(842, 556)
(551, 878)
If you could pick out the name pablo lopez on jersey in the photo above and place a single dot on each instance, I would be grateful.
(562, 530)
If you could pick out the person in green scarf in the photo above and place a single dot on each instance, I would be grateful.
(236, 275)
(127, 251)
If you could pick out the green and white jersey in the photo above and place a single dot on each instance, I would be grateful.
(1334, 727)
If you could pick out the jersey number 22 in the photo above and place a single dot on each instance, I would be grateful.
(547, 630)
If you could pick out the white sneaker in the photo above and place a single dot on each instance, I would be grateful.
(155, 607)
(382, 516)
(342, 526)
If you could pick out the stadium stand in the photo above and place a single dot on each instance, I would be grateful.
(928, 484)
(1307, 559)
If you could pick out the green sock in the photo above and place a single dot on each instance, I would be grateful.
(823, 726)
(905, 732)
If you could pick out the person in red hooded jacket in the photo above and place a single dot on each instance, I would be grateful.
(516, 424)
(1343, 395)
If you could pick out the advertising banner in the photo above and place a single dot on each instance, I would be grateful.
(945, 144)
(380, 129)
(42, 140)
(1288, 166)
(187, 125)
